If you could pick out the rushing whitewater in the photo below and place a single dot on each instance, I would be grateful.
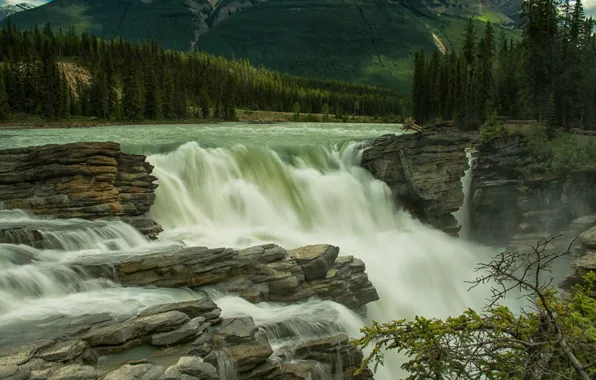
(247, 195)
(238, 186)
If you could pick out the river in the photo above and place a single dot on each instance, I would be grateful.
(239, 185)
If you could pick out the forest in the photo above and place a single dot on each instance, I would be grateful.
(548, 75)
(133, 82)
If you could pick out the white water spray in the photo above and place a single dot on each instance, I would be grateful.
(463, 214)
(246, 195)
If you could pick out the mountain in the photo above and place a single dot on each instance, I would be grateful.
(366, 41)
(8, 10)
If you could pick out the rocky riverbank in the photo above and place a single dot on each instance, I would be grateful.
(191, 339)
(81, 180)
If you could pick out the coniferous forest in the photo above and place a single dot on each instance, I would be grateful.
(549, 75)
(133, 82)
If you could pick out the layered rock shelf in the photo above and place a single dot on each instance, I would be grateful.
(263, 273)
(80, 180)
(424, 171)
(193, 342)
(191, 338)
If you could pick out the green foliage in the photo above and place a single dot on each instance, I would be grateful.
(493, 129)
(549, 75)
(354, 40)
(554, 338)
(135, 82)
(559, 154)
(296, 112)
(325, 112)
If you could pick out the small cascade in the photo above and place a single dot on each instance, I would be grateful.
(225, 366)
(463, 214)
(19, 227)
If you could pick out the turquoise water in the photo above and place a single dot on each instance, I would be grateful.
(151, 139)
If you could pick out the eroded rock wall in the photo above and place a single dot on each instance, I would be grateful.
(80, 180)
(509, 205)
(424, 171)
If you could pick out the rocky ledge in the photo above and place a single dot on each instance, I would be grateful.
(424, 171)
(263, 273)
(191, 340)
(81, 180)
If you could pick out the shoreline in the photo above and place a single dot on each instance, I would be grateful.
(249, 117)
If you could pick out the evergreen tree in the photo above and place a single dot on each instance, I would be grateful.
(4, 108)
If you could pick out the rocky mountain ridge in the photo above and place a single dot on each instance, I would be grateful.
(9, 10)
(352, 40)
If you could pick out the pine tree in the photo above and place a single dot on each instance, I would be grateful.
(4, 108)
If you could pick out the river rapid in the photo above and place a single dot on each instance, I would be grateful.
(240, 185)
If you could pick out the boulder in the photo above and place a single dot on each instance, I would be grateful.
(588, 238)
(246, 345)
(144, 371)
(315, 260)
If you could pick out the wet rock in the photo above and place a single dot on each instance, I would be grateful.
(315, 260)
(76, 372)
(423, 171)
(143, 371)
(62, 351)
(88, 180)
(246, 345)
(195, 366)
(14, 372)
(588, 238)
(205, 308)
(182, 334)
(162, 321)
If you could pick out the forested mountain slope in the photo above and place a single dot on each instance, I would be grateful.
(366, 41)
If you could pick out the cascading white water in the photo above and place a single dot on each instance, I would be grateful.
(463, 214)
(38, 283)
(241, 195)
(247, 195)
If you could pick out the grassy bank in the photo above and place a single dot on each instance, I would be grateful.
(244, 116)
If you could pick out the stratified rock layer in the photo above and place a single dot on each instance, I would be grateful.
(200, 343)
(424, 171)
(197, 341)
(263, 273)
(81, 180)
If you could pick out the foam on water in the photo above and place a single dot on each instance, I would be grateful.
(246, 195)
(288, 184)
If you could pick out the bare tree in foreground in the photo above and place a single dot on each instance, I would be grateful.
(553, 338)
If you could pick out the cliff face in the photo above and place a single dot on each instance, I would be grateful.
(506, 203)
(424, 172)
(80, 180)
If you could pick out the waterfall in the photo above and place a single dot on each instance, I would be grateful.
(247, 195)
(463, 214)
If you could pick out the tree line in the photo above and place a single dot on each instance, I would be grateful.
(548, 75)
(131, 81)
